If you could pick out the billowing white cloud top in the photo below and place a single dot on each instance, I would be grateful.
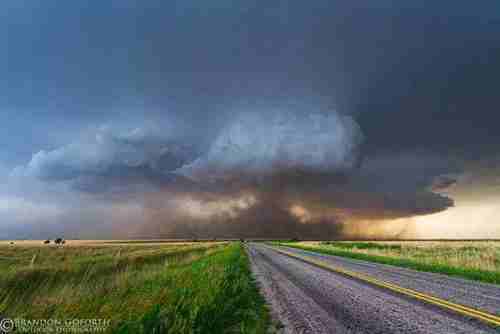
(110, 150)
(256, 144)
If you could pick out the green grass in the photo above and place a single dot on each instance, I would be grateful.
(436, 261)
(360, 245)
(161, 289)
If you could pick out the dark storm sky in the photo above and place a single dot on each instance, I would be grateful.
(420, 79)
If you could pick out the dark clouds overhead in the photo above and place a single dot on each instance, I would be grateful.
(100, 58)
(129, 97)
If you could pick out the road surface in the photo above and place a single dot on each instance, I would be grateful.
(308, 299)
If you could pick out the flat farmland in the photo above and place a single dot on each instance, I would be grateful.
(141, 287)
(162, 286)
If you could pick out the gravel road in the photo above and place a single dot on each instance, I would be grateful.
(308, 299)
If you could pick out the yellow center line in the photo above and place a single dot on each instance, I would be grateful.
(457, 308)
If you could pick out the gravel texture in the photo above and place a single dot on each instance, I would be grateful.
(481, 296)
(308, 299)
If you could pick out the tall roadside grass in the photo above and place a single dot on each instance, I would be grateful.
(468, 259)
(181, 289)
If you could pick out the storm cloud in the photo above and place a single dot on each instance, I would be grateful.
(269, 118)
(109, 157)
(286, 172)
(261, 144)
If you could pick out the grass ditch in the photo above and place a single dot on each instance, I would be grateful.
(222, 297)
(360, 245)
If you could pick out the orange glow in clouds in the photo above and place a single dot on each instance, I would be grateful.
(200, 209)
(301, 213)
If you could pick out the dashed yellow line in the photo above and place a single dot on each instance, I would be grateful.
(457, 308)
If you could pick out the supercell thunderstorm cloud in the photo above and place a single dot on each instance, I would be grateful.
(263, 144)
(186, 119)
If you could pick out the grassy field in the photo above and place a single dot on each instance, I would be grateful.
(141, 288)
(476, 260)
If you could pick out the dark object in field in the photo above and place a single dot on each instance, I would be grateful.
(12, 242)
(63, 242)
(46, 242)
(59, 241)
(242, 240)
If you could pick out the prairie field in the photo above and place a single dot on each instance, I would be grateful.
(477, 260)
(202, 287)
